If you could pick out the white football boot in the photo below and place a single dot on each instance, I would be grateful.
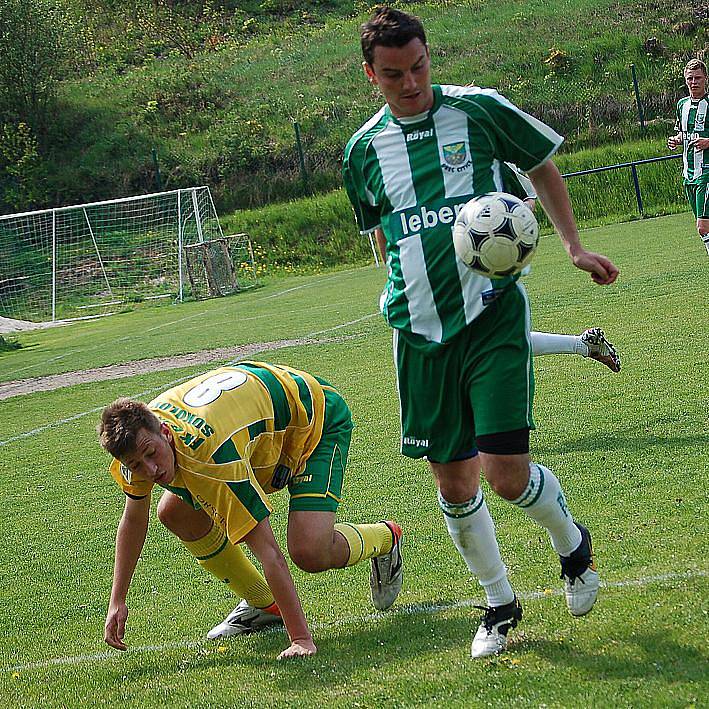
(600, 349)
(387, 573)
(244, 619)
(491, 638)
(581, 580)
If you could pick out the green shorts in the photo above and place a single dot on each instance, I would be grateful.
(480, 383)
(698, 198)
(319, 487)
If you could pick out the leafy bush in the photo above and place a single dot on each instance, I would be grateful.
(40, 42)
(7, 345)
(21, 168)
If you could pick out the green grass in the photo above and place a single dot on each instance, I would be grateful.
(631, 450)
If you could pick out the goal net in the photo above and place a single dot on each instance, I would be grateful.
(90, 259)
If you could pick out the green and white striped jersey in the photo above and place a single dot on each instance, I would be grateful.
(692, 123)
(412, 175)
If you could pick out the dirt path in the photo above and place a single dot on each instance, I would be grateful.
(143, 366)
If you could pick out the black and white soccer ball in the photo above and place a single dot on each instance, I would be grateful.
(495, 234)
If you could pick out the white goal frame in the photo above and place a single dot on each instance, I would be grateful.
(84, 259)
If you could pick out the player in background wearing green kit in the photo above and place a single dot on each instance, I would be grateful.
(219, 444)
(461, 341)
(692, 133)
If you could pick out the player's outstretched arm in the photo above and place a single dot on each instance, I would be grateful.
(265, 547)
(130, 538)
(553, 195)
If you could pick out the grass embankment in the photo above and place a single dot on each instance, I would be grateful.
(225, 117)
(317, 232)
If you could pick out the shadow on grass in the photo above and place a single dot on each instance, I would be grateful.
(412, 642)
(343, 651)
(640, 655)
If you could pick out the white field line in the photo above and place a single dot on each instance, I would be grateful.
(412, 609)
(147, 392)
(171, 323)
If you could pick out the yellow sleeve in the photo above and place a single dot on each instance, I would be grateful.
(128, 482)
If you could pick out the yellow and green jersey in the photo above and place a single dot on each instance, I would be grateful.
(240, 433)
(692, 123)
(412, 175)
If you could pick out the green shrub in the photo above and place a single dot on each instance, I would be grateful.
(7, 345)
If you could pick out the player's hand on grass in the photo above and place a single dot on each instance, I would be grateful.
(115, 627)
(299, 648)
(603, 271)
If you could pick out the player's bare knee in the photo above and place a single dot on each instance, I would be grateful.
(457, 481)
(310, 559)
(508, 488)
(182, 519)
(169, 513)
(508, 477)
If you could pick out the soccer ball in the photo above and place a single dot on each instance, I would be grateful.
(495, 234)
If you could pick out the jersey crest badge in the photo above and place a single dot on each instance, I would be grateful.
(126, 473)
(454, 154)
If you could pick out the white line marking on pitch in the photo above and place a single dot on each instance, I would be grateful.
(212, 311)
(174, 382)
(413, 609)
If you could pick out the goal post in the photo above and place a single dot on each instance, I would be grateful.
(90, 258)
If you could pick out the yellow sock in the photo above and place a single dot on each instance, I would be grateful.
(229, 564)
(365, 540)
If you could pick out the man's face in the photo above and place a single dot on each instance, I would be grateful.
(403, 75)
(153, 457)
(696, 81)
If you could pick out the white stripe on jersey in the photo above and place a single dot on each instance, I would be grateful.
(550, 134)
(454, 126)
(472, 286)
(418, 291)
(699, 123)
(497, 175)
(683, 121)
(390, 146)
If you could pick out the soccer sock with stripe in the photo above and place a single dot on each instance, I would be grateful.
(473, 532)
(543, 500)
(705, 240)
(365, 540)
(227, 561)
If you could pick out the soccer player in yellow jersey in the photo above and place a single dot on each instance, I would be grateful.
(219, 444)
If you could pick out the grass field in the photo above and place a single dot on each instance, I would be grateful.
(632, 451)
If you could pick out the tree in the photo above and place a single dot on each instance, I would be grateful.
(38, 43)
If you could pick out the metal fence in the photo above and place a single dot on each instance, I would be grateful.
(633, 167)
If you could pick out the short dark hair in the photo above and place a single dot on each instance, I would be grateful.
(693, 64)
(388, 27)
(120, 423)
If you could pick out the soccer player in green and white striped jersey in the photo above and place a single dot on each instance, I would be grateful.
(692, 133)
(461, 341)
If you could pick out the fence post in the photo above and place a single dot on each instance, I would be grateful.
(158, 178)
(641, 117)
(636, 183)
(54, 265)
(301, 157)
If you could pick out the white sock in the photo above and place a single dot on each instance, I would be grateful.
(543, 500)
(705, 239)
(544, 343)
(473, 532)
